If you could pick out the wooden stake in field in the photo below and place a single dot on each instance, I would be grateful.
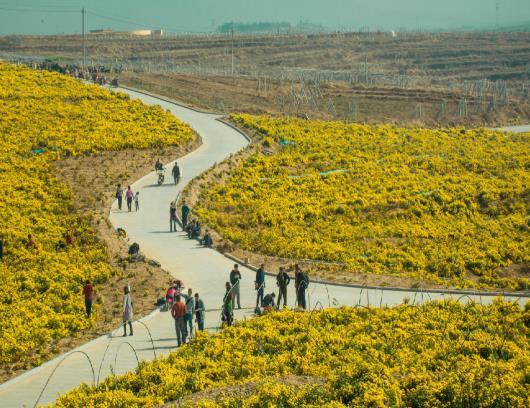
(441, 112)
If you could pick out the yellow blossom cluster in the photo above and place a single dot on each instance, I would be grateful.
(447, 206)
(439, 354)
(43, 118)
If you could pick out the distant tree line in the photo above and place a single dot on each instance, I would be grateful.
(268, 27)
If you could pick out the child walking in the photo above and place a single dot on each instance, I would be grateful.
(137, 201)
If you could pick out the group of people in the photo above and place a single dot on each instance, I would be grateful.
(183, 308)
(185, 210)
(301, 283)
(282, 281)
(264, 301)
(192, 228)
(130, 196)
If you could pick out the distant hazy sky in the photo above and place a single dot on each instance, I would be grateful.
(47, 16)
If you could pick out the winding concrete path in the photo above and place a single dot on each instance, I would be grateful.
(517, 129)
(204, 270)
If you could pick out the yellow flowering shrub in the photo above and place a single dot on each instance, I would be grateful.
(439, 354)
(446, 206)
(43, 117)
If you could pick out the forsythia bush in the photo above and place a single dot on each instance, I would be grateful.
(43, 117)
(439, 205)
(439, 354)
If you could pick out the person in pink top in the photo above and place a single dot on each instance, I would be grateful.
(129, 195)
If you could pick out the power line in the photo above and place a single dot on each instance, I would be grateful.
(111, 17)
(497, 8)
(96, 13)
(37, 10)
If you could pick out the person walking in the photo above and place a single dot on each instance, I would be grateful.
(119, 196)
(283, 280)
(301, 282)
(178, 311)
(173, 217)
(176, 173)
(129, 195)
(235, 278)
(88, 291)
(31, 243)
(199, 312)
(127, 310)
(185, 212)
(228, 305)
(137, 201)
(189, 302)
(260, 285)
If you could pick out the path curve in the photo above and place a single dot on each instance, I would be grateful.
(516, 129)
(209, 272)
(204, 270)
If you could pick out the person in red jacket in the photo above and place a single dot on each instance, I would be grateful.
(88, 291)
(178, 311)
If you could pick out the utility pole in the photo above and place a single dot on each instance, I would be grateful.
(84, 36)
(497, 9)
(366, 68)
(232, 48)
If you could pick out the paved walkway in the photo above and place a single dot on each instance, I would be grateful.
(517, 129)
(204, 270)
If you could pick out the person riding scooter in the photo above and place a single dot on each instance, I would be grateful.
(159, 168)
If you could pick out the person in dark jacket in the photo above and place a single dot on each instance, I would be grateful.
(207, 240)
(301, 281)
(268, 302)
(228, 305)
(260, 285)
(176, 173)
(283, 280)
(199, 312)
(235, 278)
(185, 212)
(119, 196)
(195, 231)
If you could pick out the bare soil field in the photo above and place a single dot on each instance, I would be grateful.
(471, 79)
(436, 57)
(335, 101)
